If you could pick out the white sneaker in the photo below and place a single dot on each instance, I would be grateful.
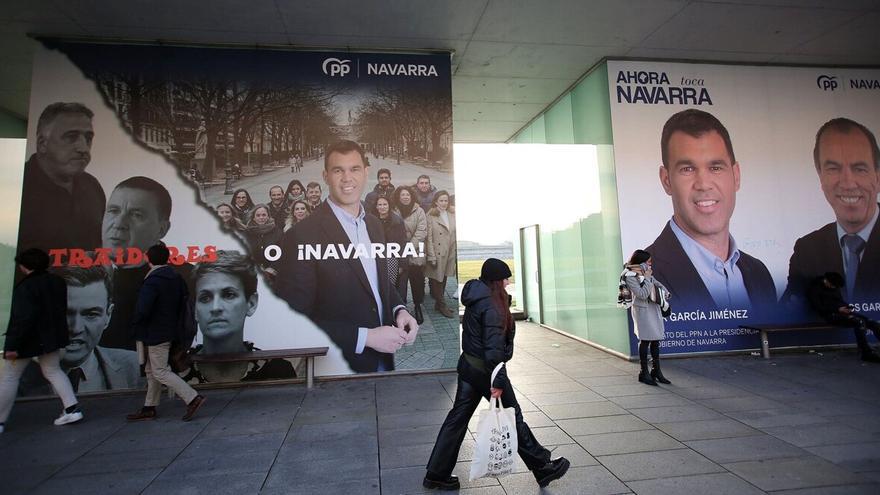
(67, 418)
(2, 427)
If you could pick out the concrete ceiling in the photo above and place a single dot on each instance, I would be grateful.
(511, 57)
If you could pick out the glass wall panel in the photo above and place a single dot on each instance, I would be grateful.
(531, 281)
(524, 136)
(591, 109)
(539, 130)
(519, 280)
(559, 124)
(12, 157)
(581, 259)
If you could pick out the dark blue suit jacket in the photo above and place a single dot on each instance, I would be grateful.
(819, 252)
(674, 269)
(159, 306)
(335, 293)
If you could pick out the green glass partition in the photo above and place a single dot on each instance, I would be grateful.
(580, 261)
(530, 282)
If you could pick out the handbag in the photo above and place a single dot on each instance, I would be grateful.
(496, 448)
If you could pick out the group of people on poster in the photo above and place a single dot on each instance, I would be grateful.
(97, 244)
(419, 215)
(697, 258)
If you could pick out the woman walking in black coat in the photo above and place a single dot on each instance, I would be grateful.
(37, 328)
(486, 340)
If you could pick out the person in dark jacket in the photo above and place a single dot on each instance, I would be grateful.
(37, 328)
(424, 192)
(486, 340)
(384, 189)
(242, 206)
(262, 231)
(823, 294)
(395, 233)
(295, 191)
(228, 220)
(279, 206)
(61, 203)
(156, 324)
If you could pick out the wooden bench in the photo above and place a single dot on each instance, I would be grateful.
(765, 329)
(308, 353)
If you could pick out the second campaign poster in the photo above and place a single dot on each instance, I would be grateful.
(743, 202)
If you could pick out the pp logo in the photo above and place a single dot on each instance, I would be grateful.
(826, 83)
(334, 67)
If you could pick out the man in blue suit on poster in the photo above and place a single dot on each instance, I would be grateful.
(350, 298)
(847, 161)
(695, 256)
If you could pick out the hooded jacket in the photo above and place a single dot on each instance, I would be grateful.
(483, 337)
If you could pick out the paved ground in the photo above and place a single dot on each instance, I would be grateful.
(436, 346)
(803, 423)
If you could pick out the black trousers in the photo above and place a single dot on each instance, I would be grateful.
(452, 433)
(415, 275)
(859, 324)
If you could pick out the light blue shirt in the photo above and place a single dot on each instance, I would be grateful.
(355, 228)
(865, 233)
(723, 279)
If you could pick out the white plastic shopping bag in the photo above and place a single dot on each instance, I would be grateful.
(495, 452)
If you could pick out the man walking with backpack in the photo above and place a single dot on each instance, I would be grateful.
(156, 325)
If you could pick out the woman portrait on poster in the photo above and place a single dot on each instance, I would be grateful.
(298, 212)
(295, 191)
(395, 233)
(440, 250)
(242, 206)
(228, 220)
(416, 224)
(225, 296)
(261, 232)
(650, 299)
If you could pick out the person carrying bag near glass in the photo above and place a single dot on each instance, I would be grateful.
(649, 304)
(486, 340)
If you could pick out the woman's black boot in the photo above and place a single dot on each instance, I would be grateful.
(657, 375)
(440, 483)
(645, 377)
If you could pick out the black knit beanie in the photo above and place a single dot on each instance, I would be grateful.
(494, 269)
